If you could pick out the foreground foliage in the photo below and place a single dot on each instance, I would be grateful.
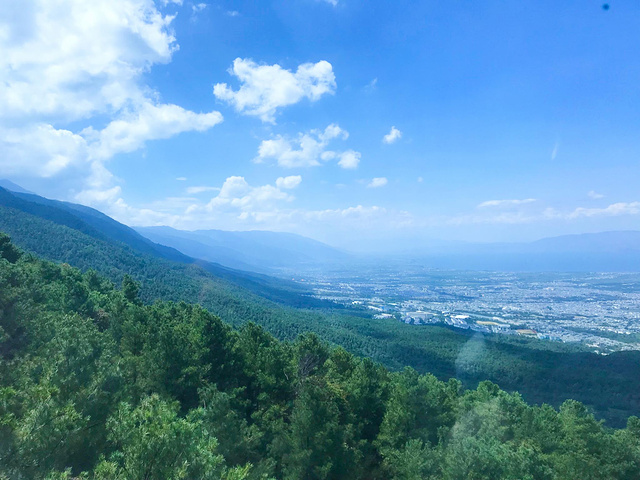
(95, 384)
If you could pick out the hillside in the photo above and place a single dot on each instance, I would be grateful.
(97, 385)
(121, 240)
(542, 371)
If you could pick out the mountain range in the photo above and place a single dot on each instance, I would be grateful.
(40, 224)
(541, 371)
(617, 251)
(232, 254)
(274, 252)
(248, 250)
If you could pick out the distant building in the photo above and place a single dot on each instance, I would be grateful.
(527, 332)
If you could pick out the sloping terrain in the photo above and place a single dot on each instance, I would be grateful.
(113, 236)
(97, 385)
(541, 371)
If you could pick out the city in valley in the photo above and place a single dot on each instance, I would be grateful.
(599, 310)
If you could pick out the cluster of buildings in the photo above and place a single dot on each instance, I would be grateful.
(600, 310)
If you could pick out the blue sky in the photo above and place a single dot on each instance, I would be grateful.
(369, 125)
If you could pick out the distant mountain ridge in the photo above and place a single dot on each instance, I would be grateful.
(542, 372)
(101, 225)
(253, 250)
(615, 251)
(613, 241)
(268, 252)
(12, 187)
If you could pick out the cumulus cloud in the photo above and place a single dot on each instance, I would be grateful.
(149, 122)
(236, 201)
(289, 182)
(238, 196)
(39, 149)
(307, 150)
(82, 63)
(506, 203)
(377, 182)
(595, 195)
(393, 136)
(349, 160)
(266, 88)
(75, 59)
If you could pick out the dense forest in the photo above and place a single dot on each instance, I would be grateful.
(94, 383)
(542, 372)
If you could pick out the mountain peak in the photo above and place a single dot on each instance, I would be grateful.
(12, 187)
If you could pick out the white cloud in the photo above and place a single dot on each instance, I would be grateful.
(289, 182)
(331, 2)
(237, 195)
(266, 88)
(349, 159)
(595, 195)
(240, 205)
(200, 189)
(547, 214)
(97, 197)
(40, 150)
(236, 201)
(233, 13)
(377, 182)
(308, 150)
(198, 7)
(149, 122)
(371, 86)
(613, 210)
(83, 63)
(393, 136)
(181, 179)
(110, 202)
(506, 203)
(370, 218)
(74, 59)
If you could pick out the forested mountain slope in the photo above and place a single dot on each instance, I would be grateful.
(94, 384)
(35, 232)
(542, 371)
